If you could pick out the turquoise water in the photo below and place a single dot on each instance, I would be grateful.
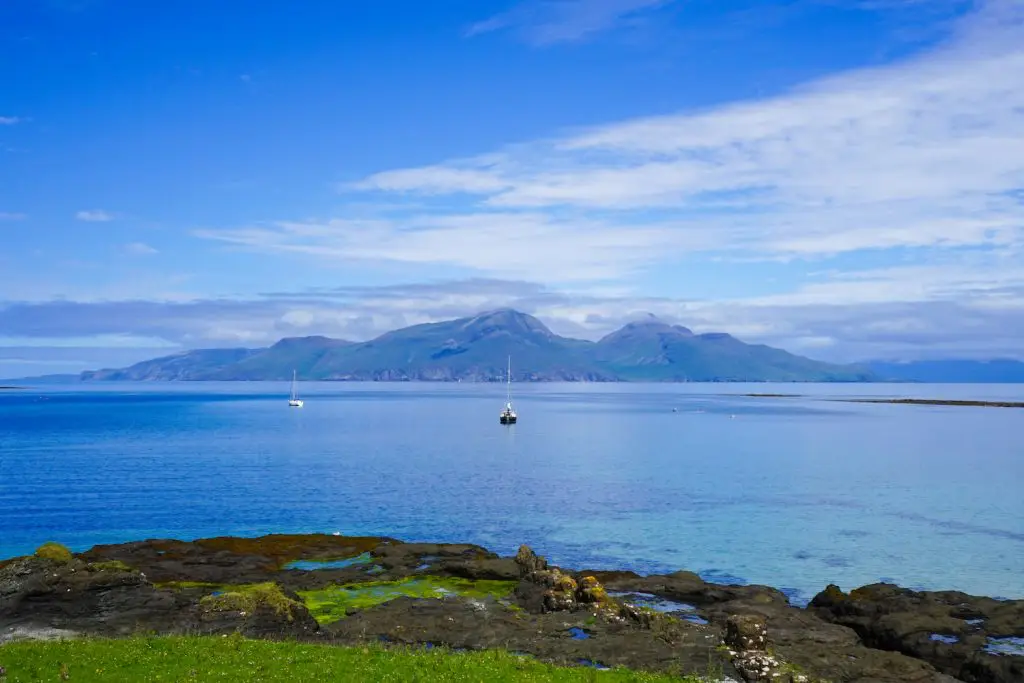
(313, 565)
(794, 492)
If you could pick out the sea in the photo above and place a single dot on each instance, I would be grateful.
(795, 492)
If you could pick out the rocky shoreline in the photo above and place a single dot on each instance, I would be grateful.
(349, 590)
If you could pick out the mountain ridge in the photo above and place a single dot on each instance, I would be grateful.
(477, 348)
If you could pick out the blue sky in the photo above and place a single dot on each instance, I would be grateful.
(841, 178)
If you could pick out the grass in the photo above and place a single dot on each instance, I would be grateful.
(230, 659)
(329, 604)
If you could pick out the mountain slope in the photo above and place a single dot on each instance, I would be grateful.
(477, 348)
(299, 354)
(655, 351)
(189, 365)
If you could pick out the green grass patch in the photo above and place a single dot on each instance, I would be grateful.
(53, 551)
(235, 659)
(329, 604)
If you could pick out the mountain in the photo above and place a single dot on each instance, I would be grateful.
(477, 348)
(652, 350)
(952, 371)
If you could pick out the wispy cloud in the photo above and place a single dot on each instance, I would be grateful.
(555, 21)
(140, 249)
(10, 120)
(507, 244)
(924, 153)
(94, 216)
(7, 216)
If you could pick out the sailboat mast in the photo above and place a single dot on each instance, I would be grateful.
(508, 384)
(294, 372)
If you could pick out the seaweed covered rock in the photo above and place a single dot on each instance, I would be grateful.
(561, 597)
(591, 592)
(543, 588)
(257, 610)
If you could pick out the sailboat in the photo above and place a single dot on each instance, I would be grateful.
(294, 401)
(508, 415)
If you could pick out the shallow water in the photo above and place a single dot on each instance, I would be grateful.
(313, 565)
(790, 492)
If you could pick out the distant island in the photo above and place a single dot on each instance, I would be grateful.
(477, 348)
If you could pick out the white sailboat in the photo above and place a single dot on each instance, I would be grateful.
(294, 401)
(508, 415)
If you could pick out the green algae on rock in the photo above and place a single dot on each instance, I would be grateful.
(249, 598)
(329, 604)
(111, 566)
(53, 551)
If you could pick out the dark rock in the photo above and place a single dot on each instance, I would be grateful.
(746, 632)
(455, 624)
(529, 562)
(76, 596)
(499, 569)
(897, 619)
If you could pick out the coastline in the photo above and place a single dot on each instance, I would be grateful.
(897, 401)
(350, 590)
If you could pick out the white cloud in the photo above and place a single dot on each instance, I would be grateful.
(10, 120)
(554, 21)
(140, 249)
(518, 245)
(94, 216)
(924, 153)
(6, 216)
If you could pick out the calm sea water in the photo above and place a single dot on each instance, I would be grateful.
(793, 492)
